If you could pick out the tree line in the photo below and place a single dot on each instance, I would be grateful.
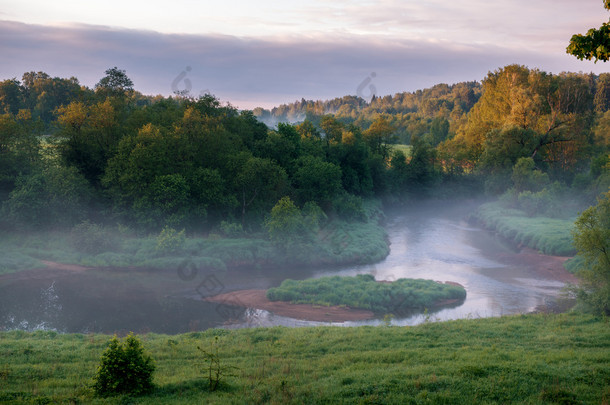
(69, 153)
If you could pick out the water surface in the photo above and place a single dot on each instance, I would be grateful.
(431, 241)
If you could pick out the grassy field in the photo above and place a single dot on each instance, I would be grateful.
(524, 359)
(406, 149)
(339, 242)
(550, 236)
(362, 291)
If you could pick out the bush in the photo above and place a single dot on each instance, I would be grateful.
(170, 240)
(124, 369)
(231, 229)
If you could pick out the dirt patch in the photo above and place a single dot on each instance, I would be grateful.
(63, 266)
(258, 299)
(549, 266)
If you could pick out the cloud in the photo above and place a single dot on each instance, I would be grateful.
(249, 71)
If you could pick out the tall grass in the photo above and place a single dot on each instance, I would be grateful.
(529, 359)
(362, 291)
(338, 242)
(550, 236)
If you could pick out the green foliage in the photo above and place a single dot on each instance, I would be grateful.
(550, 236)
(231, 229)
(124, 369)
(116, 82)
(363, 291)
(285, 224)
(170, 240)
(594, 45)
(317, 180)
(92, 238)
(592, 239)
(526, 177)
(349, 207)
(55, 196)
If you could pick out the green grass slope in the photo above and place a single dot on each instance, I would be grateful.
(362, 291)
(529, 359)
(551, 236)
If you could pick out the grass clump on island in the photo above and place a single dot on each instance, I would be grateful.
(363, 291)
(523, 359)
(551, 236)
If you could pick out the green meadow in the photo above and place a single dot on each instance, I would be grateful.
(523, 359)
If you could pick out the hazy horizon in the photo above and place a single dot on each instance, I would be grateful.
(268, 54)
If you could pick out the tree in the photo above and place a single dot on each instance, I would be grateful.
(259, 182)
(317, 180)
(526, 177)
(116, 82)
(89, 136)
(379, 135)
(54, 196)
(11, 96)
(592, 240)
(285, 224)
(594, 45)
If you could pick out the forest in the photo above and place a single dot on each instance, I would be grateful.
(110, 155)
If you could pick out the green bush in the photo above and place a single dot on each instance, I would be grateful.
(170, 241)
(124, 369)
(231, 229)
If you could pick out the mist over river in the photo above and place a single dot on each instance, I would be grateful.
(431, 241)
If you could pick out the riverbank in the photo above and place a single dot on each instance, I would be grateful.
(533, 359)
(338, 243)
(551, 236)
(258, 299)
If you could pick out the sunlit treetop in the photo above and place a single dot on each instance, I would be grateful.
(594, 45)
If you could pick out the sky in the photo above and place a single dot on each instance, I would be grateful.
(265, 53)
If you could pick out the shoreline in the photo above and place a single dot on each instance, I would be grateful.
(258, 299)
(255, 298)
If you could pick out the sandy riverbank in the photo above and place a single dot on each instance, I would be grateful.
(258, 299)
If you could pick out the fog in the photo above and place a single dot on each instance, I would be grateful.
(427, 240)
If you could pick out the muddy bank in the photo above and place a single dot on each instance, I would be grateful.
(551, 266)
(258, 299)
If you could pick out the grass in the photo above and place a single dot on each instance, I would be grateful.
(339, 242)
(523, 359)
(362, 291)
(406, 149)
(551, 236)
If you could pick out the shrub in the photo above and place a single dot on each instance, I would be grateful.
(170, 240)
(124, 369)
(231, 229)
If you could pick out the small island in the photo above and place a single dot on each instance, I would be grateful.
(364, 292)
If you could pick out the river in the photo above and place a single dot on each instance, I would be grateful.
(431, 241)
